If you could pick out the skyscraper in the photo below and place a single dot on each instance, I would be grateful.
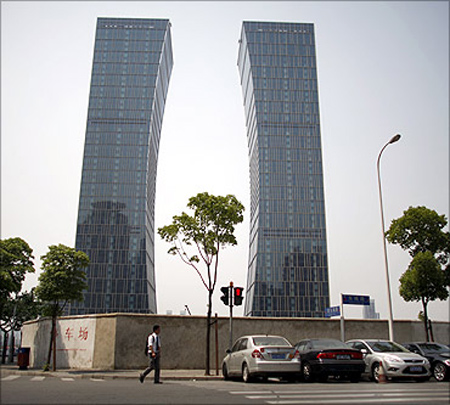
(287, 270)
(130, 78)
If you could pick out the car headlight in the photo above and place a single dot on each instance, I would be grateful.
(393, 359)
(447, 362)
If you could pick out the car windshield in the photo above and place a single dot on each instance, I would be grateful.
(434, 348)
(327, 343)
(270, 341)
(386, 347)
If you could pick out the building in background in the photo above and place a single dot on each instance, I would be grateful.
(130, 77)
(369, 311)
(287, 269)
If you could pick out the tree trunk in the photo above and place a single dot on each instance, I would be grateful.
(5, 345)
(425, 319)
(208, 332)
(430, 327)
(11, 347)
(52, 337)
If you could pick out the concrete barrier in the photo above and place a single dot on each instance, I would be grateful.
(117, 341)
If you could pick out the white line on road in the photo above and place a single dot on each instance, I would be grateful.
(356, 400)
(38, 379)
(67, 379)
(10, 378)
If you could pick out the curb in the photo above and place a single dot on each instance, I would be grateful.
(167, 375)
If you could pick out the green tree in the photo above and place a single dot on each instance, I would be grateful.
(420, 231)
(19, 309)
(207, 231)
(15, 262)
(423, 281)
(62, 280)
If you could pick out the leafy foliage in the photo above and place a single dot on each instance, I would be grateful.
(63, 278)
(209, 229)
(419, 230)
(424, 280)
(15, 262)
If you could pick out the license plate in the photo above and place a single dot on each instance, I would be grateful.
(415, 369)
(278, 356)
(343, 357)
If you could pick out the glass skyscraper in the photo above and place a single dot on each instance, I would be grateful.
(130, 77)
(287, 270)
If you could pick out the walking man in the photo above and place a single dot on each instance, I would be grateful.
(154, 353)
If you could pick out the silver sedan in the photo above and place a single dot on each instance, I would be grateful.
(262, 356)
(397, 362)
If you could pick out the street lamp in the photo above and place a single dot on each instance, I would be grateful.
(390, 320)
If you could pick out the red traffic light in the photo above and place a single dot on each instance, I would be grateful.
(238, 297)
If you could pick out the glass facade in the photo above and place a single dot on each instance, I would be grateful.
(287, 270)
(130, 77)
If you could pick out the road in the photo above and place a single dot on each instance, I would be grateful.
(52, 390)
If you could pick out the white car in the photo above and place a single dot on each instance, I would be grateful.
(262, 356)
(397, 361)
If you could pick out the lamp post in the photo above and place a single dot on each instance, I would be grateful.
(394, 139)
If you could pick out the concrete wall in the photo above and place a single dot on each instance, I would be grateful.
(117, 341)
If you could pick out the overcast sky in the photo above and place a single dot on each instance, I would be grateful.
(382, 69)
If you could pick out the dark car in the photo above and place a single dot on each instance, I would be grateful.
(437, 354)
(321, 358)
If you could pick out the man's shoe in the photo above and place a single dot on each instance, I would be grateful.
(141, 378)
(158, 382)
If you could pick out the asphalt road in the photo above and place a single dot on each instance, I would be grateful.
(52, 390)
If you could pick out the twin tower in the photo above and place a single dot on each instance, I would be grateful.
(287, 267)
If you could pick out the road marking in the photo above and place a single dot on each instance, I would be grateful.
(38, 379)
(67, 379)
(392, 395)
(98, 379)
(10, 378)
(250, 392)
(356, 400)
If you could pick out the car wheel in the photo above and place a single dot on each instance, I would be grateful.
(440, 372)
(246, 373)
(376, 372)
(307, 372)
(226, 376)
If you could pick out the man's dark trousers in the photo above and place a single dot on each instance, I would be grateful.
(154, 365)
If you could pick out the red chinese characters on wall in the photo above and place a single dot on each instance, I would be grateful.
(83, 333)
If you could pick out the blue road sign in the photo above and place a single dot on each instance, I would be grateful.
(356, 299)
(332, 311)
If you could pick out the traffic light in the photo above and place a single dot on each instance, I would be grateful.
(226, 295)
(238, 297)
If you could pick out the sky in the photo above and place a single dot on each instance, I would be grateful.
(383, 69)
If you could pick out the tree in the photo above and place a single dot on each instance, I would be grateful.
(423, 281)
(17, 310)
(15, 262)
(420, 232)
(207, 231)
(62, 280)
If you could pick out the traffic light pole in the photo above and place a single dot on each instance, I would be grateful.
(232, 296)
(231, 314)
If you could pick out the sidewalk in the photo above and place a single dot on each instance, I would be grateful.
(13, 369)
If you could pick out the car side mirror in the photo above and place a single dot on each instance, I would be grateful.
(364, 352)
(228, 351)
